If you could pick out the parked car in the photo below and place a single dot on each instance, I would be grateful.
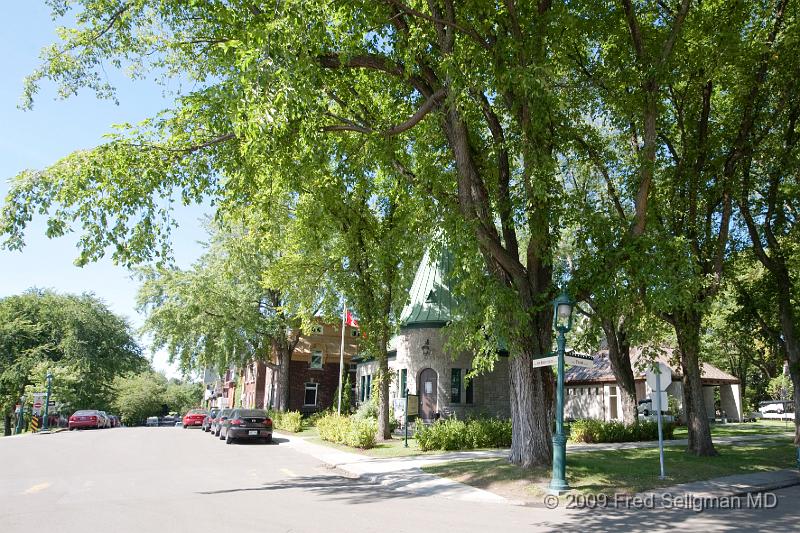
(194, 417)
(170, 420)
(247, 424)
(87, 418)
(106, 421)
(776, 410)
(212, 414)
(221, 416)
(113, 421)
(152, 421)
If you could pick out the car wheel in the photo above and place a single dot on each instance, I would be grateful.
(268, 440)
(228, 439)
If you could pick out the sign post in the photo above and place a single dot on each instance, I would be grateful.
(654, 380)
(405, 421)
(20, 415)
(46, 425)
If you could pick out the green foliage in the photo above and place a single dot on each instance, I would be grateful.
(76, 338)
(291, 421)
(348, 430)
(596, 431)
(139, 396)
(454, 434)
(780, 388)
(182, 396)
(346, 395)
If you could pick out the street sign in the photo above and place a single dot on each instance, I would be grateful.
(545, 360)
(413, 405)
(579, 359)
(666, 376)
(51, 403)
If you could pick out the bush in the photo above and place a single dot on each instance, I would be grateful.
(348, 430)
(454, 434)
(595, 431)
(291, 421)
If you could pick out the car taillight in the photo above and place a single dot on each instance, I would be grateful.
(94, 419)
(236, 422)
(268, 422)
(72, 419)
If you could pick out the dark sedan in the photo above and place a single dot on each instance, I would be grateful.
(247, 424)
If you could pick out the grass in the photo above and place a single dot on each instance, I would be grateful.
(383, 449)
(620, 471)
(746, 428)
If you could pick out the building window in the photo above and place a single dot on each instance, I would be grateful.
(310, 398)
(353, 367)
(469, 391)
(369, 386)
(363, 388)
(354, 332)
(316, 330)
(455, 385)
(403, 376)
(316, 359)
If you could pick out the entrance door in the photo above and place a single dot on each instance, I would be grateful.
(428, 385)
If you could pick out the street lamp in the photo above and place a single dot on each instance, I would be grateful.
(562, 321)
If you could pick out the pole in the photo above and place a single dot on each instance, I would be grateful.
(558, 483)
(341, 357)
(658, 417)
(20, 415)
(46, 424)
(405, 423)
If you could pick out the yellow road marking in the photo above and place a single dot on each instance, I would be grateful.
(288, 472)
(37, 488)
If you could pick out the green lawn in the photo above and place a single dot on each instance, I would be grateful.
(746, 428)
(617, 471)
(386, 449)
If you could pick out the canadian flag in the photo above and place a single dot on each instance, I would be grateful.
(350, 321)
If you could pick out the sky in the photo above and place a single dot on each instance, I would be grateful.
(54, 128)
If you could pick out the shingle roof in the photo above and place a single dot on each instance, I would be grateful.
(601, 372)
(430, 299)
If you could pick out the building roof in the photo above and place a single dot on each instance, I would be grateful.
(430, 299)
(601, 371)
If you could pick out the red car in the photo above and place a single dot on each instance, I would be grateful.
(88, 418)
(194, 418)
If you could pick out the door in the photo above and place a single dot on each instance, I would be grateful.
(428, 386)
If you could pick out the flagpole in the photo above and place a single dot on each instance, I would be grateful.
(341, 357)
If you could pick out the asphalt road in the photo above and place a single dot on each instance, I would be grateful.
(172, 480)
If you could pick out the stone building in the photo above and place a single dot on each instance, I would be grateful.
(421, 362)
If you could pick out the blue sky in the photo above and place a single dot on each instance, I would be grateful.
(53, 129)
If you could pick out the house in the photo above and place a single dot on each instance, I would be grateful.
(420, 361)
(593, 392)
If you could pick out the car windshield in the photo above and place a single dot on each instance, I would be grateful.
(225, 412)
(197, 412)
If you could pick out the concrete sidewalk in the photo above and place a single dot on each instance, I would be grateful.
(402, 473)
(728, 487)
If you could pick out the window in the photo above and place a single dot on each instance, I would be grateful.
(469, 391)
(455, 385)
(363, 388)
(316, 330)
(369, 386)
(354, 332)
(353, 367)
(403, 374)
(316, 359)
(310, 398)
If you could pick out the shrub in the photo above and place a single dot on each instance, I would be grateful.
(454, 434)
(348, 430)
(291, 421)
(595, 431)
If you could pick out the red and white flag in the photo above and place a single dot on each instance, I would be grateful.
(350, 321)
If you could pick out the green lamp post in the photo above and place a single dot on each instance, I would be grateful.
(47, 402)
(562, 321)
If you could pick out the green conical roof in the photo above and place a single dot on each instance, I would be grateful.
(430, 299)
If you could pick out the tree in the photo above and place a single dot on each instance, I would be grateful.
(182, 396)
(76, 337)
(138, 396)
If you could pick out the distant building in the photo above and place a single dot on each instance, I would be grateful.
(594, 393)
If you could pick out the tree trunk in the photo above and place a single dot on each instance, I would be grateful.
(687, 329)
(284, 354)
(532, 395)
(619, 355)
(791, 341)
(7, 424)
(384, 430)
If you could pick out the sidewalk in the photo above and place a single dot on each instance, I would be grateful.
(727, 487)
(403, 473)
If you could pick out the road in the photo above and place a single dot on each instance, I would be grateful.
(172, 480)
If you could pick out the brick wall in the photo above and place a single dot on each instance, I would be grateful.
(327, 379)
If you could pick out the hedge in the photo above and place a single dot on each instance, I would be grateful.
(454, 434)
(595, 431)
(348, 430)
(291, 421)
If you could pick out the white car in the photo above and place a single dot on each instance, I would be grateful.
(775, 410)
(152, 421)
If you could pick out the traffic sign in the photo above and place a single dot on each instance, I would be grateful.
(666, 376)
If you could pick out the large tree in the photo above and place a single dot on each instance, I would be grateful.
(77, 338)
